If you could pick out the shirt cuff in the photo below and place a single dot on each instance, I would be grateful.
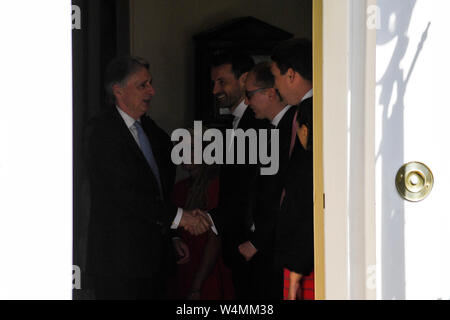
(213, 227)
(176, 221)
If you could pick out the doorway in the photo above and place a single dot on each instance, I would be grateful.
(162, 32)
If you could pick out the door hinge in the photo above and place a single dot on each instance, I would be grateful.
(324, 201)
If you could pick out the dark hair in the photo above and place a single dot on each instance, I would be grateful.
(305, 117)
(119, 70)
(263, 76)
(295, 54)
(240, 62)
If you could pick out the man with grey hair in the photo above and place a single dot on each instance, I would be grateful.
(131, 177)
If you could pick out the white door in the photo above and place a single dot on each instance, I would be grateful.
(412, 124)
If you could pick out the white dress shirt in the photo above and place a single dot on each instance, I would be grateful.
(238, 113)
(129, 121)
(280, 115)
(309, 94)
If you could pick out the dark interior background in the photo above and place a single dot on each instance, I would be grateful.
(166, 33)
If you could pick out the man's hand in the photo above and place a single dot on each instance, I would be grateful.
(195, 222)
(247, 250)
(182, 251)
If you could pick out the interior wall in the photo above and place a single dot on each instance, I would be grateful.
(162, 30)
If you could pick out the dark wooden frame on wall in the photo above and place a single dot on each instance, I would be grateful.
(247, 34)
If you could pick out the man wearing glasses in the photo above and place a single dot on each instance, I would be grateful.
(266, 102)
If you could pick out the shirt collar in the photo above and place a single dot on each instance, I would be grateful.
(280, 115)
(129, 121)
(308, 95)
(240, 109)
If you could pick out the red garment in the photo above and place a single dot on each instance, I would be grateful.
(306, 289)
(218, 286)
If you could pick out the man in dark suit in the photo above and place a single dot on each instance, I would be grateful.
(131, 176)
(294, 244)
(292, 69)
(237, 181)
(264, 99)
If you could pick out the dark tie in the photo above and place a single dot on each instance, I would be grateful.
(146, 149)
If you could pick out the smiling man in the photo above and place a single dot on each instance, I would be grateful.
(228, 77)
(131, 179)
(237, 182)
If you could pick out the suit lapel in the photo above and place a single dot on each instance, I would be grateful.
(125, 136)
(285, 127)
(246, 119)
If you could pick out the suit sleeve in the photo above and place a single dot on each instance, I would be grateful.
(295, 238)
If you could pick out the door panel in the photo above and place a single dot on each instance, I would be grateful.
(412, 122)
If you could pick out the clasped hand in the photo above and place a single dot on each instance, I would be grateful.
(247, 250)
(195, 221)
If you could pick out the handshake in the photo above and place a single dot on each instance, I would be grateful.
(195, 221)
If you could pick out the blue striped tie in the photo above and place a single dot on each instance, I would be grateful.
(146, 149)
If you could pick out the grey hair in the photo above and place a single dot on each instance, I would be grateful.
(118, 72)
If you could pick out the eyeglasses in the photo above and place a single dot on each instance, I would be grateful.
(250, 94)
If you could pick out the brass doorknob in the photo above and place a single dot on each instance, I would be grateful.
(414, 181)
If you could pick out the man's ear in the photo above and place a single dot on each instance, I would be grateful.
(291, 75)
(117, 90)
(299, 81)
(272, 93)
(243, 79)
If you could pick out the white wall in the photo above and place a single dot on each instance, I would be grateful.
(36, 150)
